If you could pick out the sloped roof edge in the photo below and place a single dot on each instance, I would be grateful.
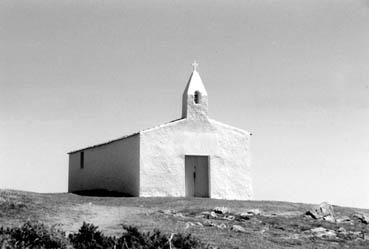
(105, 143)
(121, 138)
(230, 127)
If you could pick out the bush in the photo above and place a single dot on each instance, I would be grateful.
(133, 239)
(6, 241)
(187, 242)
(32, 235)
(38, 236)
(88, 237)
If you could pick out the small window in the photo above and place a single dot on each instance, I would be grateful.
(197, 97)
(82, 160)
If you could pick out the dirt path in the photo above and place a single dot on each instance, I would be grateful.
(108, 218)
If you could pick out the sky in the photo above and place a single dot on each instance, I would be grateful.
(294, 73)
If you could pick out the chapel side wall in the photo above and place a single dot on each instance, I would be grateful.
(230, 166)
(113, 167)
(163, 150)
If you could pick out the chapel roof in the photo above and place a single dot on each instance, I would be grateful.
(121, 138)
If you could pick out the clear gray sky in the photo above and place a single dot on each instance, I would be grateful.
(294, 73)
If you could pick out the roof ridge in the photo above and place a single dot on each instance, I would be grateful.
(121, 138)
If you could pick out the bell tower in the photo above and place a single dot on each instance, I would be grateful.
(195, 97)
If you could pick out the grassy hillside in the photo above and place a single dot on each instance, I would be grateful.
(279, 224)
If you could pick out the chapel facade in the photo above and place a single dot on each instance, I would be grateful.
(193, 156)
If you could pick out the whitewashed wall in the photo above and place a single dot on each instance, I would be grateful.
(114, 167)
(162, 158)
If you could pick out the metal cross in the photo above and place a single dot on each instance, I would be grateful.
(195, 65)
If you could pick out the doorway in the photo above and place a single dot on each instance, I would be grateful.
(197, 176)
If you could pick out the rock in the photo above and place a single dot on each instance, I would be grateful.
(221, 210)
(324, 211)
(357, 235)
(245, 216)
(229, 217)
(366, 236)
(179, 215)
(209, 223)
(167, 211)
(362, 218)
(318, 229)
(322, 232)
(222, 226)
(342, 230)
(293, 236)
(238, 228)
(264, 229)
(199, 224)
(254, 211)
(329, 219)
(343, 219)
(205, 214)
(189, 224)
(213, 215)
(313, 214)
(250, 212)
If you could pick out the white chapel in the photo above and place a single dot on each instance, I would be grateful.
(193, 156)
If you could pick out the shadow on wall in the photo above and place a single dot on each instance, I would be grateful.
(101, 193)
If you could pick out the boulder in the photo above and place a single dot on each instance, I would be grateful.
(357, 235)
(251, 212)
(322, 232)
(255, 211)
(2, 200)
(179, 215)
(221, 210)
(209, 223)
(238, 228)
(222, 226)
(213, 215)
(168, 211)
(366, 236)
(229, 217)
(189, 224)
(329, 219)
(205, 214)
(322, 212)
(343, 219)
(342, 231)
(362, 218)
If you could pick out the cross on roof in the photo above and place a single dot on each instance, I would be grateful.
(195, 65)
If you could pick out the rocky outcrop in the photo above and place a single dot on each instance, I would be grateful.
(323, 232)
(322, 212)
(250, 212)
(362, 218)
(294, 228)
(221, 210)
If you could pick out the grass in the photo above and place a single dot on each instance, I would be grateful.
(281, 225)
